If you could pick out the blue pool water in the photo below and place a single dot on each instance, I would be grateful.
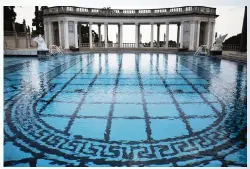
(125, 110)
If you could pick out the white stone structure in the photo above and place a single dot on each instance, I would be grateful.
(195, 25)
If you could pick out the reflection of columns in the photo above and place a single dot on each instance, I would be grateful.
(99, 32)
(158, 35)
(182, 32)
(152, 35)
(106, 34)
(167, 35)
(198, 34)
(50, 33)
(208, 34)
(90, 35)
(66, 35)
(136, 34)
(76, 35)
(60, 32)
(178, 35)
(191, 35)
(80, 34)
(121, 35)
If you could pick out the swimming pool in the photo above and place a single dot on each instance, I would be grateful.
(125, 110)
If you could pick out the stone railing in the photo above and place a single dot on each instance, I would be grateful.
(125, 45)
(129, 12)
(128, 45)
(231, 47)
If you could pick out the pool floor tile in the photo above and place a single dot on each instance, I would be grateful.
(94, 110)
(167, 128)
(162, 110)
(81, 81)
(197, 109)
(175, 81)
(128, 110)
(210, 97)
(188, 97)
(156, 98)
(128, 98)
(101, 97)
(128, 88)
(198, 81)
(61, 122)
(198, 124)
(76, 88)
(155, 89)
(128, 130)
(182, 88)
(60, 108)
(69, 97)
(89, 128)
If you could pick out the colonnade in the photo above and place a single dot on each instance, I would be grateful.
(192, 28)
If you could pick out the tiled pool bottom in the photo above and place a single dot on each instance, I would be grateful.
(125, 110)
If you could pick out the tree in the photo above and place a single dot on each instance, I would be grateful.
(38, 20)
(85, 34)
(9, 14)
(9, 18)
(233, 40)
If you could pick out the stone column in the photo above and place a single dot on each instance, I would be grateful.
(158, 35)
(60, 32)
(46, 33)
(66, 35)
(198, 34)
(191, 35)
(212, 34)
(136, 35)
(152, 35)
(80, 35)
(106, 34)
(50, 34)
(99, 33)
(178, 35)
(90, 35)
(76, 35)
(182, 33)
(167, 35)
(121, 35)
(208, 34)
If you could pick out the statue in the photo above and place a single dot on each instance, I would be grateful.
(217, 46)
(42, 51)
(41, 43)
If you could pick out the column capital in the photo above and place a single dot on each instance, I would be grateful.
(106, 23)
(121, 23)
(167, 23)
(151, 23)
(75, 22)
(99, 24)
(136, 23)
(158, 24)
(90, 23)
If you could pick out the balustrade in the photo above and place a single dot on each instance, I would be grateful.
(130, 12)
(231, 47)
